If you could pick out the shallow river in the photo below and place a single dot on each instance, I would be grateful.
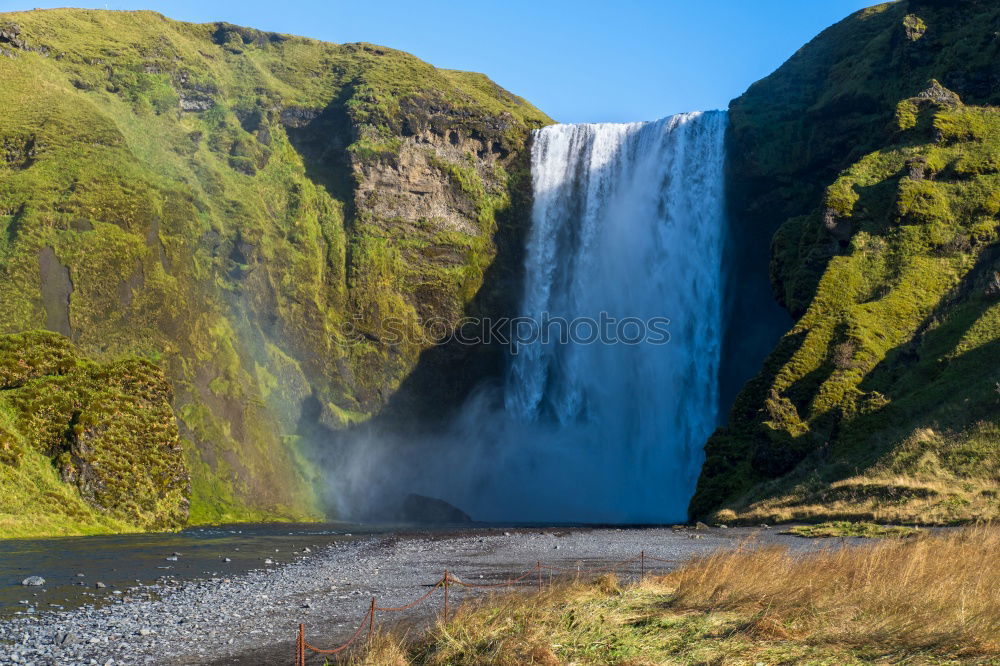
(124, 561)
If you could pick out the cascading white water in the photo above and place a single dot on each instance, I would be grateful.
(628, 221)
(628, 224)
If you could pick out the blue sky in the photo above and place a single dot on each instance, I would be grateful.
(583, 61)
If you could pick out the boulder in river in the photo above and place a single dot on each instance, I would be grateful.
(422, 509)
(33, 580)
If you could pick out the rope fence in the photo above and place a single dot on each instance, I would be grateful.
(447, 579)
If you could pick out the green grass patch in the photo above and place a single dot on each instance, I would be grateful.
(845, 528)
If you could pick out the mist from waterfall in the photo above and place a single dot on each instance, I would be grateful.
(628, 224)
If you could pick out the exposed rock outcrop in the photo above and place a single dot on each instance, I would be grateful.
(432, 511)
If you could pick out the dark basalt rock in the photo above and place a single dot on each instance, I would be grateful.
(196, 103)
(10, 33)
(430, 510)
(938, 94)
(840, 228)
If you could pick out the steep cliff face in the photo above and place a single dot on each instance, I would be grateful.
(246, 210)
(870, 162)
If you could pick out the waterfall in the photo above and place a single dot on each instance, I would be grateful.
(628, 222)
(626, 242)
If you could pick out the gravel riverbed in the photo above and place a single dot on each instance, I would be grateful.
(253, 618)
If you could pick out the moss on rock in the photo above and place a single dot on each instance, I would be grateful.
(107, 430)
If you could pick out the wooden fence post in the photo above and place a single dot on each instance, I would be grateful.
(371, 620)
(446, 595)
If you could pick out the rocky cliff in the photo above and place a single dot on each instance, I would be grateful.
(245, 211)
(870, 162)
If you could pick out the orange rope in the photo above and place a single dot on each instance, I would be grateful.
(507, 584)
(596, 570)
(345, 645)
(658, 559)
(411, 605)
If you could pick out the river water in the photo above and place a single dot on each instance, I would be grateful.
(127, 561)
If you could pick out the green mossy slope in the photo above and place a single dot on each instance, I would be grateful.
(223, 202)
(85, 447)
(875, 155)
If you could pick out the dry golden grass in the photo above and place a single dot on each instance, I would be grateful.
(936, 594)
(880, 498)
(502, 629)
(932, 478)
(384, 649)
(930, 599)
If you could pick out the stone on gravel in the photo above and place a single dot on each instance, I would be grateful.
(67, 638)
(99, 585)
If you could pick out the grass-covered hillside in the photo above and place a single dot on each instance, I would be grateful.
(874, 157)
(221, 202)
(85, 447)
